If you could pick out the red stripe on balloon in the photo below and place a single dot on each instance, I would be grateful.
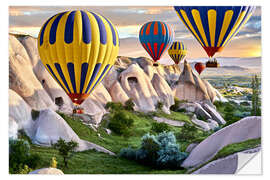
(155, 49)
(163, 28)
(142, 30)
(160, 49)
(156, 28)
(148, 28)
(145, 47)
(152, 55)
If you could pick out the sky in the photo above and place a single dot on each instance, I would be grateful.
(128, 21)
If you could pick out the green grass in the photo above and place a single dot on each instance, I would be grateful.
(92, 162)
(113, 142)
(177, 116)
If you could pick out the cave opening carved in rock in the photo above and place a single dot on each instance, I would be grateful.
(132, 80)
(59, 101)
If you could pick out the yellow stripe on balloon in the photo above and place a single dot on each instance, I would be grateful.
(95, 43)
(189, 25)
(64, 50)
(239, 20)
(212, 16)
(226, 22)
(198, 22)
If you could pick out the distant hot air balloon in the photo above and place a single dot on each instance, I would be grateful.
(156, 37)
(177, 51)
(78, 48)
(214, 26)
(199, 67)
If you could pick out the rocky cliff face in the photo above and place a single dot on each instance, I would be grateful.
(134, 78)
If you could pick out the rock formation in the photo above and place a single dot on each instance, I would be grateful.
(192, 88)
(207, 149)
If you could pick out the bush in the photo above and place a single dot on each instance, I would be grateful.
(160, 127)
(159, 105)
(114, 106)
(65, 149)
(120, 123)
(188, 133)
(25, 170)
(129, 105)
(160, 151)
(176, 105)
(19, 156)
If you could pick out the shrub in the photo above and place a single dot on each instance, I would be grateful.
(129, 105)
(160, 127)
(120, 123)
(188, 133)
(160, 151)
(176, 104)
(65, 149)
(159, 105)
(25, 170)
(19, 156)
(114, 106)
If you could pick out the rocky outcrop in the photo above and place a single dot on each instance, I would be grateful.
(19, 115)
(163, 90)
(191, 87)
(138, 86)
(50, 126)
(47, 171)
(207, 149)
(22, 78)
(214, 114)
(169, 121)
(228, 165)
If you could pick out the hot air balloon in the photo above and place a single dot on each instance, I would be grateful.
(199, 67)
(177, 51)
(78, 48)
(214, 26)
(155, 38)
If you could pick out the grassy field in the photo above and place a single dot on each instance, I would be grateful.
(92, 162)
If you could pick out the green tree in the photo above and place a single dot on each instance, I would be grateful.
(65, 149)
(256, 102)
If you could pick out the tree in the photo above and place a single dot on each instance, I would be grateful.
(256, 103)
(65, 149)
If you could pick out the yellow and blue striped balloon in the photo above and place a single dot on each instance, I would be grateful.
(214, 26)
(78, 48)
(177, 51)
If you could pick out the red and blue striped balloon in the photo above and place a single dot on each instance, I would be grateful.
(156, 37)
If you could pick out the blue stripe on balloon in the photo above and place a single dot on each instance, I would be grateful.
(102, 29)
(69, 28)
(50, 69)
(86, 28)
(43, 30)
(94, 74)
(60, 72)
(84, 70)
(204, 19)
(101, 76)
(70, 67)
(113, 31)
(54, 28)
(236, 14)
(220, 14)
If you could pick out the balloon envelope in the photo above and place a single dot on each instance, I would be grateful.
(199, 67)
(78, 48)
(214, 26)
(177, 51)
(155, 38)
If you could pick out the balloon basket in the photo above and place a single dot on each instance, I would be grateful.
(78, 110)
(212, 63)
(155, 64)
